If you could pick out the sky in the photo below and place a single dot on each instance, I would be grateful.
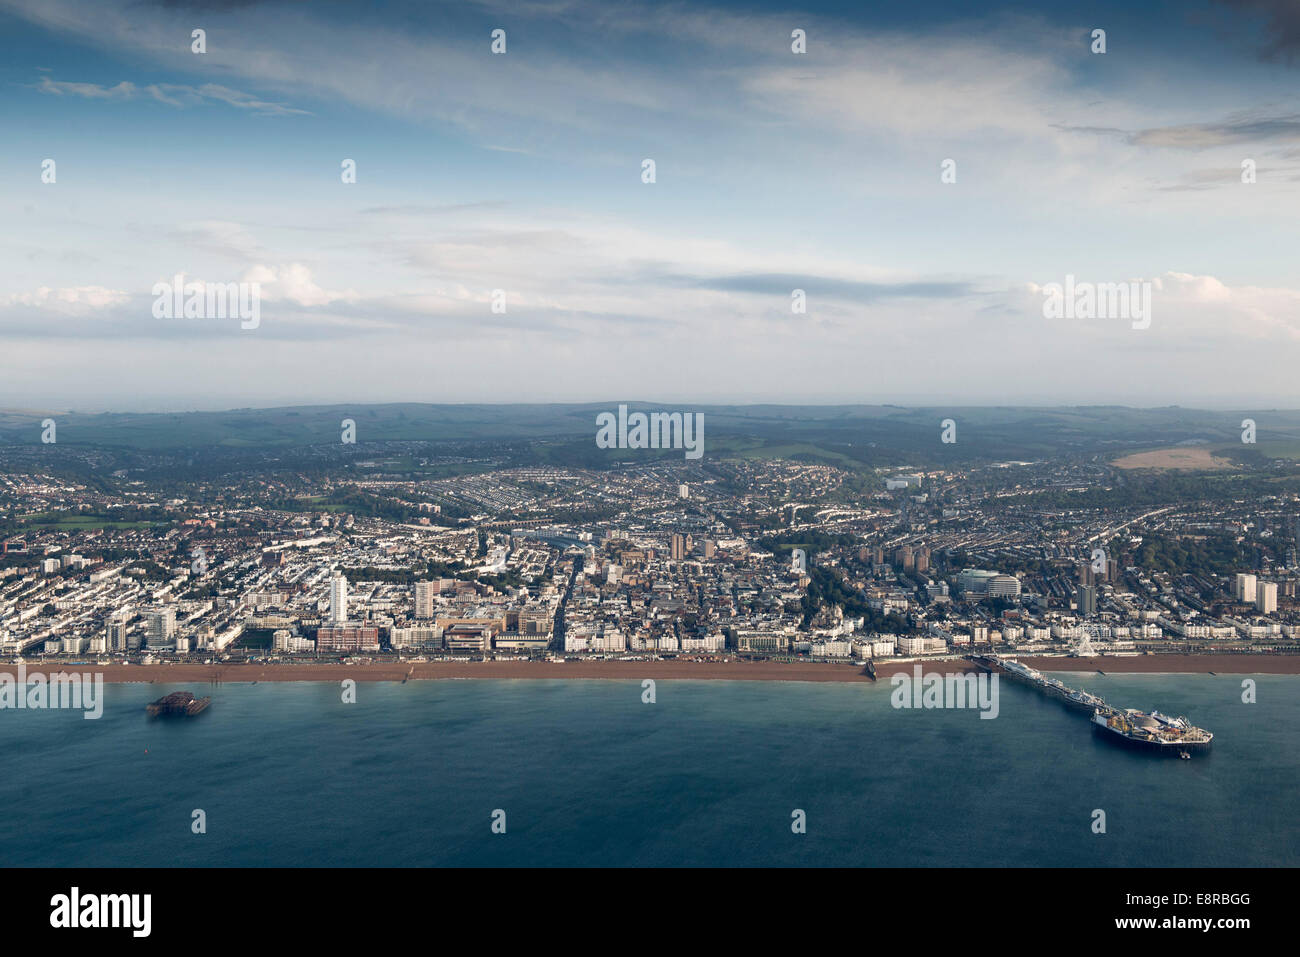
(521, 174)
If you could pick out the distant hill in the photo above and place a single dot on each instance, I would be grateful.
(842, 434)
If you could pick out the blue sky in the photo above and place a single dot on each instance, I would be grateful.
(521, 172)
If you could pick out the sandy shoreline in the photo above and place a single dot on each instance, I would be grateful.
(639, 670)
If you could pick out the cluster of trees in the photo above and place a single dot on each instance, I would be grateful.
(1218, 555)
(810, 541)
(1153, 490)
(826, 586)
(152, 571)
(354, 501)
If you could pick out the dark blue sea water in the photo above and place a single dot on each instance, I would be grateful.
(589, 775)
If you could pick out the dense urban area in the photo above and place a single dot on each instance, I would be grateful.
(403, 550)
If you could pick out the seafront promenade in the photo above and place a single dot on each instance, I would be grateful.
(665, 670)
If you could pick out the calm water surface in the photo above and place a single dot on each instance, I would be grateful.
(587, 774)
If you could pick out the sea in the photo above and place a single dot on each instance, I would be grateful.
(591, 773)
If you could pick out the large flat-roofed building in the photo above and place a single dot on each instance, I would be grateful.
(921, 645)
(347, 637)
(529, 621)
(763, 642)
(977, 582)
(419, 636)
(514, 641)
(467, 636)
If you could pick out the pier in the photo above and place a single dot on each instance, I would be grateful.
(1151, 731)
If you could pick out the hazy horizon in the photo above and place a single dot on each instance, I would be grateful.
(666, 404)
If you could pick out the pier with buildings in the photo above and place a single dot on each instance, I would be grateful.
(1150, 731)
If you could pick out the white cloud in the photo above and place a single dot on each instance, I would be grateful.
(124, 90)
(293, 282)
(76, 299)
(173, 94)
(1187, 311)
(1185, 286)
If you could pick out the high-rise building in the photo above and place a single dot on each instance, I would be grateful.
(424, 595)
(115, 635)
(338, 598)
(903, 558)
(710, 548)
(1266, 598)
(1244, 588)
(923, 558)
(683, 491)
(160, 624)
(679, 546)
(1086, 599)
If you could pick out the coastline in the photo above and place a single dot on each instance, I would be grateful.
(639, 670)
